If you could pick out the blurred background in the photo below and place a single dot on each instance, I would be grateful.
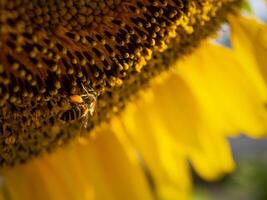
(249, 181)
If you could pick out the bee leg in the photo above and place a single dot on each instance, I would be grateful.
(92, 108)
(89, 92)
(85, 122)
(85, 119)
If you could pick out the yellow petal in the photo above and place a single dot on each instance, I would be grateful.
(111, 169)
(210, 153)
(226, 90)
(214, 159)
(94, 169)
(177, 109)
(249, 39)
(162, 157)
(176, 120)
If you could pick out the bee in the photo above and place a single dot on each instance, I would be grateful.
(82, 106)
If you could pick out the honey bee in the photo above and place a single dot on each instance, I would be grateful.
(83, 105)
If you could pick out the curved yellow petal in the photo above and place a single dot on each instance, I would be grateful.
(176, 107)
(214, 159)
(210, 153)
(111, 169)
(249, 40)
(226, 90)
(162, 156)
(176, 120)
(96, 169)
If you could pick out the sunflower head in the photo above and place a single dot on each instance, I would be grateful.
(99, 52)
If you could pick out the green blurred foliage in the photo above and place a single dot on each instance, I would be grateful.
(248, 182)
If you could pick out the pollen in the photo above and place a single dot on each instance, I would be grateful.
(76, 99)
(49, 49)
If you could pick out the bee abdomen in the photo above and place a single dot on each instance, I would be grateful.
(73, 114)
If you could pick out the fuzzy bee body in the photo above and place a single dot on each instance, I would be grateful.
(76, 113)
(82, 106)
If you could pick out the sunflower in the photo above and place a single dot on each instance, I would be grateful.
(118, 99)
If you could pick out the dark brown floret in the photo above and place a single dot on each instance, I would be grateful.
(50, 49)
